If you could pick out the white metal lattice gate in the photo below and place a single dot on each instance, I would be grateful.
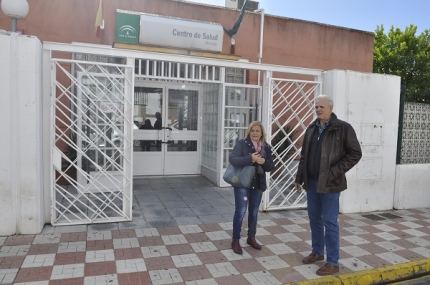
(291, 110)
(92, 115)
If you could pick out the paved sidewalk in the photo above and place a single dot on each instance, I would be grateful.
(199, 253)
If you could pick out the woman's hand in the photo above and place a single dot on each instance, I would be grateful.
(260, 160)
(257, 158)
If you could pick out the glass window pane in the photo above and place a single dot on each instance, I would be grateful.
(147, 115)
(183, 109)
(146, 145)
(182, 146)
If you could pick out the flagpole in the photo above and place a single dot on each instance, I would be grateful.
(99, 25)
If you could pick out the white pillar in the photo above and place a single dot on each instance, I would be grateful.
(370, 103)
(21, 203)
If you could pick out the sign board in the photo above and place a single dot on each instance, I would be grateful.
(171, 32)
(127, 28)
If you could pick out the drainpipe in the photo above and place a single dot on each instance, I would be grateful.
(260, 53)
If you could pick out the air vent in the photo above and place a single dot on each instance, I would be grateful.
(250, 6)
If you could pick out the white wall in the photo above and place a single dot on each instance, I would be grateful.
(20, 145)
(412, 186)
(370, 103)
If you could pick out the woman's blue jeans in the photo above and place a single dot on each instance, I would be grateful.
(323, 211)
(242, 198)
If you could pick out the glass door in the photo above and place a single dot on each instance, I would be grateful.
(166, 136)
(148, 158)
(182, 132)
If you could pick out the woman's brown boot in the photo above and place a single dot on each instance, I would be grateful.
(252, 242)
(235, 245)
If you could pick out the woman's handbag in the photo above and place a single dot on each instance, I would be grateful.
(239, 176)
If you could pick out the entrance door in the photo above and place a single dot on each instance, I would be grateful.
(167, 141)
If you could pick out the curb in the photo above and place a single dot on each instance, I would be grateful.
(375, 276)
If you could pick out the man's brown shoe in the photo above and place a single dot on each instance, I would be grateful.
(252, 242)
(312, 258)
(235, 245)
(327, 269)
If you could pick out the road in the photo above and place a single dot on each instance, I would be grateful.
(419, 281)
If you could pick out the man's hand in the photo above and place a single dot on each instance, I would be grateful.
(298, 186)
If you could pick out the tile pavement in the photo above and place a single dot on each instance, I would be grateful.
(199, 253)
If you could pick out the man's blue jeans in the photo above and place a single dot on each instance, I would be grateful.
(242, 198)
(323, 211)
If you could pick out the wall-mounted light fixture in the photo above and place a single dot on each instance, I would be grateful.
(15, 9)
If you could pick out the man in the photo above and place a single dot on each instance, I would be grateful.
(158, 125)
(330, 148)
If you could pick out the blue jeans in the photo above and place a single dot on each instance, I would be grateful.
(323, 211)
(242, 198)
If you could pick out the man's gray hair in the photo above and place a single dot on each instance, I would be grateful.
(329, 99)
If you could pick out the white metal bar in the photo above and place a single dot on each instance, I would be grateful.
(221, 132)
(52, 139)
(241, 85)
(178, 80)
(47, 69)
(147, 67)
(178, 70)
(128, 133)
(193, 72)
(85, 62)
(267, 99)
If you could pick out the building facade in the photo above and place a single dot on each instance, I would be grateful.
(285, 41)
(165, 91)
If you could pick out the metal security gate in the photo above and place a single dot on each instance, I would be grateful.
(291, 110)
(92, 148)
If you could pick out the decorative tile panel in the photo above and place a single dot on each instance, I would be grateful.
(416, 133)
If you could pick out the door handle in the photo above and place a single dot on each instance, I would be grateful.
(166, 136)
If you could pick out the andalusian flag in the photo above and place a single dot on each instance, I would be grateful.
(99, 19)
(236, 26)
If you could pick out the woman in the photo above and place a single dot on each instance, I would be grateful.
(253, 150)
